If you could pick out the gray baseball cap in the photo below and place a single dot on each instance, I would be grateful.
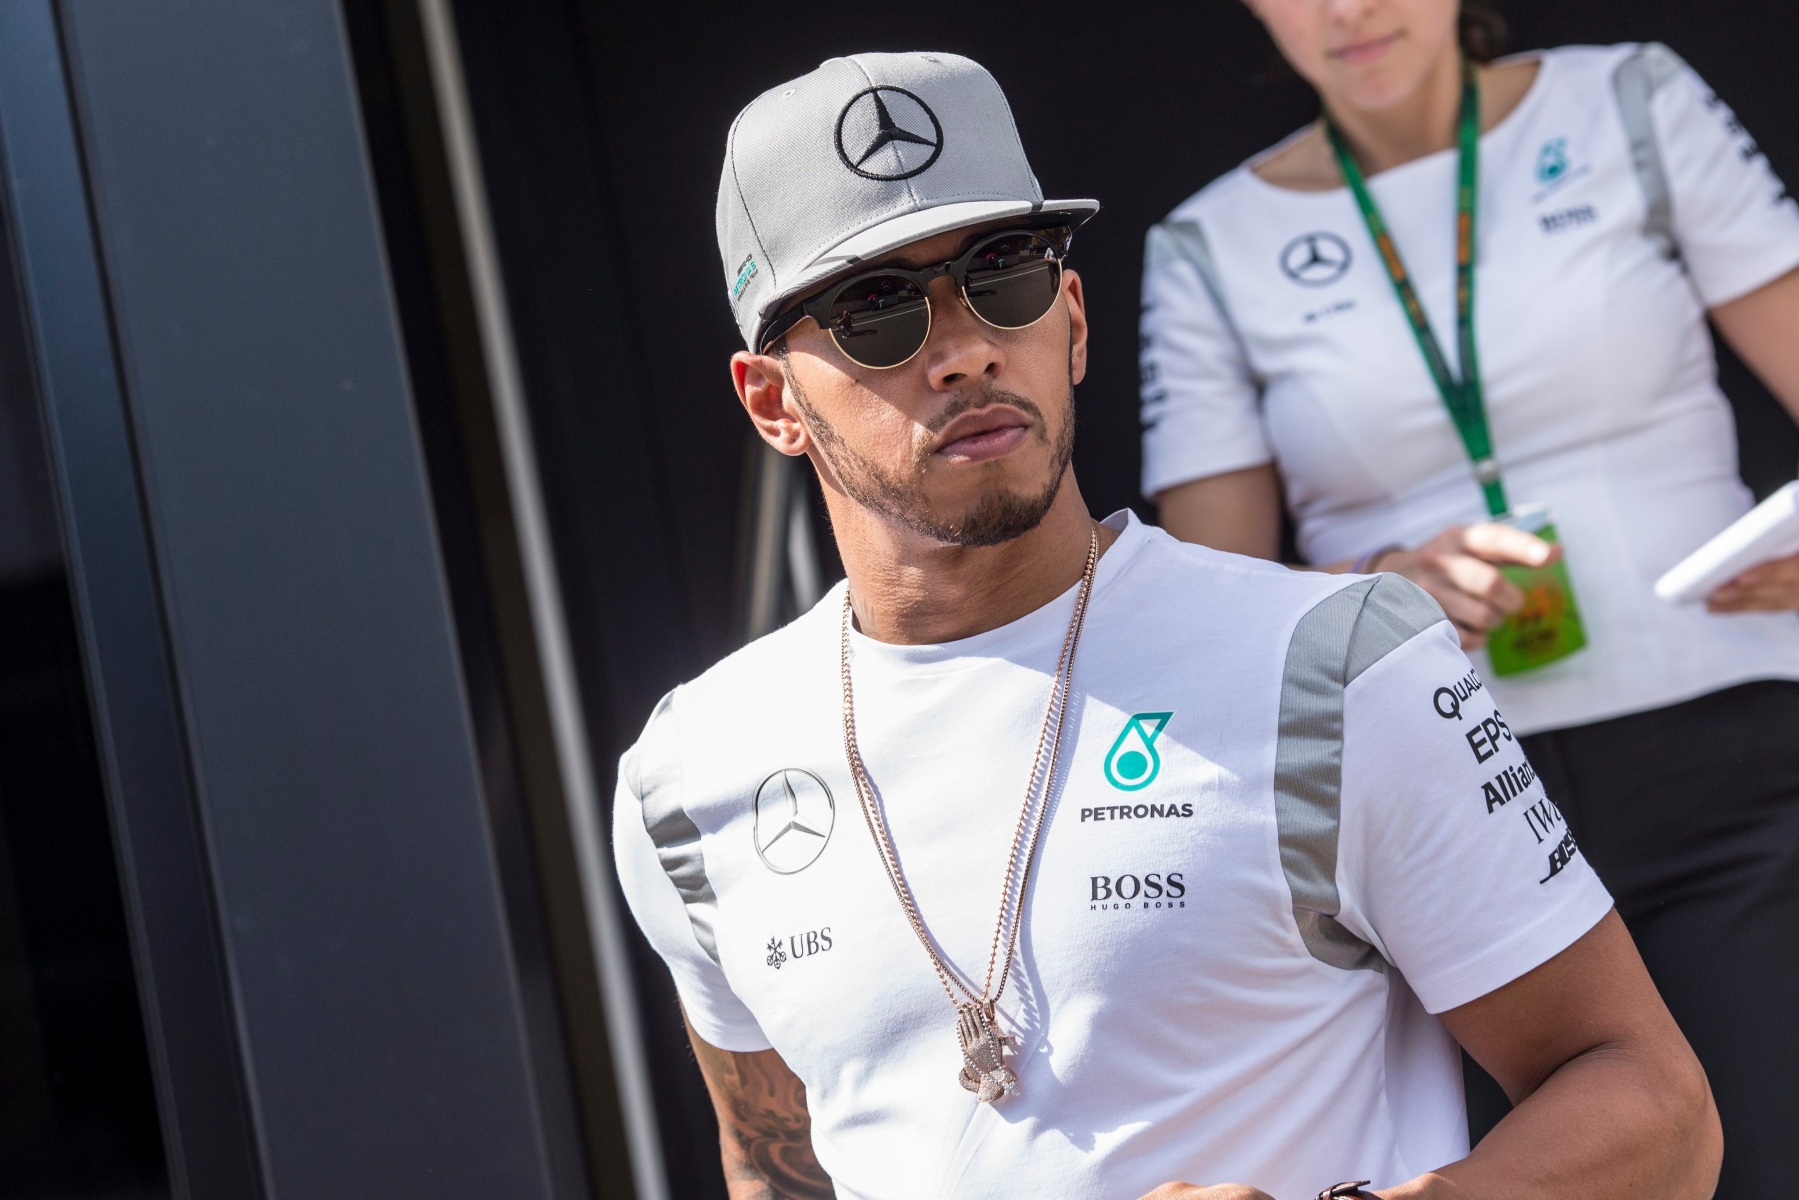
(862, 156)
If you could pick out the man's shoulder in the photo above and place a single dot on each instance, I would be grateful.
(776, 658)
(1357, 628)
(1358, 618)
(1183, 572)
(728, 700)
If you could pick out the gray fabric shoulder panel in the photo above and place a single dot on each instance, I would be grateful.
(1396, 611)
(1185, 241)
(1635, 82)
(1664, 63)
(1333, 644)
(657, 782)
(1308, 775)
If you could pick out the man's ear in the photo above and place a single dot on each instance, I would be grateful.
(762, 386)
(1076, 301)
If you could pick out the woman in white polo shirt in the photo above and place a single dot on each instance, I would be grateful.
(1609, 203)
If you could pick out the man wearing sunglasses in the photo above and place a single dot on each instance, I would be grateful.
(1049, 857)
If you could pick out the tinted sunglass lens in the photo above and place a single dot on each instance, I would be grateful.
(880, 320)
(1013, 280)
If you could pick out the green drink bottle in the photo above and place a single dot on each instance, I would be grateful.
(1547, 629)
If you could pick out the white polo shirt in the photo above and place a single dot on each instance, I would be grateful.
(1289, 823)
(1599, 370)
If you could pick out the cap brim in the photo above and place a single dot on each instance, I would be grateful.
(903, 230)
(916, 226)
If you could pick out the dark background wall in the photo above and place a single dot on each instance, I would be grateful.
(602, 129)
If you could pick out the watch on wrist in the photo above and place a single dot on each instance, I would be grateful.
(1342, 1191)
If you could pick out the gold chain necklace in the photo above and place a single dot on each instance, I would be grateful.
(984, 1070)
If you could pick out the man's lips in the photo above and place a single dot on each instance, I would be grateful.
(988, 433)
(1358, 53)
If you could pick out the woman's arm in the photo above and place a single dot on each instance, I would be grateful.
(1763, 328)
(1239, 512)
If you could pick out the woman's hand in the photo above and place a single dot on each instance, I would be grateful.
(1772, 586)
(1222, 1191)
(1460, 569)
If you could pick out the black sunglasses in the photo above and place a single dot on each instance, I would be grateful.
(881, 319)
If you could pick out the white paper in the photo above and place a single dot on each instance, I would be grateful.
(1769, 530)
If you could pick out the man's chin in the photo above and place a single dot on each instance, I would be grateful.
(994, 518)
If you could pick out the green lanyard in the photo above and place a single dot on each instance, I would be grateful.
(1463, 397)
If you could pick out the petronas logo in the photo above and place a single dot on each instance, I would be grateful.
(1552, 160)
(1133, 764)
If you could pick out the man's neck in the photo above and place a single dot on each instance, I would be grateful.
(1423, 123)
(910, 590)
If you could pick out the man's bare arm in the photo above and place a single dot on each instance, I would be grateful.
(1611, 1103)
(764, 1130)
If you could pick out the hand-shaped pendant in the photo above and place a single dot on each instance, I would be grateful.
(984, 1071)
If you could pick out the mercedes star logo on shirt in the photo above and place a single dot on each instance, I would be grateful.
(1315, 259)
(794, 813)
(888, 134)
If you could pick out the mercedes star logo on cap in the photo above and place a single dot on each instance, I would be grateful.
(793, 814)
(1315, 259)
(888, 134)
(857, 158)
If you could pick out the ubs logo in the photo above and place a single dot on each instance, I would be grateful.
(1315, 259)
(793, 818)
(803, 945)
(890, 119)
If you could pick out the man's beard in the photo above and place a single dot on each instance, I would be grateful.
(998, 516)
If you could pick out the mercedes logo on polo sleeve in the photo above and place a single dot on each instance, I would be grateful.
(794, 813)
(1315, 259)
(888, 134)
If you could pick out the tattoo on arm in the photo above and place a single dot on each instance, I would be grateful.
(764, 1130)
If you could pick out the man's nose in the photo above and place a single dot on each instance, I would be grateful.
(961, 347)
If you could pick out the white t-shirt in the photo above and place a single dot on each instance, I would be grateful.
(1259, 808)
(1598, 366)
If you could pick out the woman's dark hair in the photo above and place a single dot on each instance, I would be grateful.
(1482, 30)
